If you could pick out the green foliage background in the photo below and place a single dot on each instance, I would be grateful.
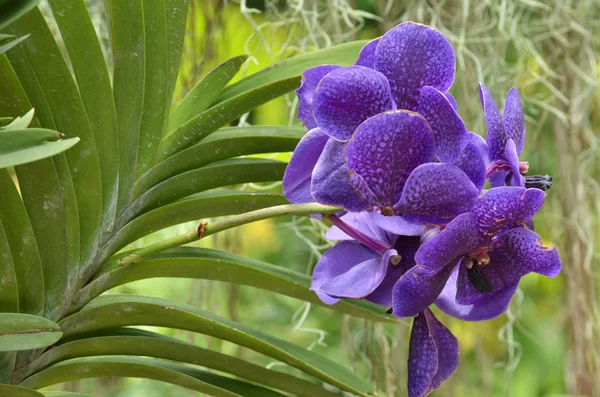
(547, 344)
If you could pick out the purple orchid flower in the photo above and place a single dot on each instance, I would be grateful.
(472, 267)
(367, 263)
(506, 139)
(360, 150)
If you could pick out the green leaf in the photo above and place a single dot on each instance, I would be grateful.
(217, 265)
(217, 116)
(223, 173)
(223, 144)
(20, 123)
(176, 24)
(11, 44)
(35, 153)
(128, 86)
(26, 332)
(155, 107)
(69, 117)
(25, 254)
(205, 205)
(174, 373)
(40, 184)
(10, 11)
(112, 311)
(133, 342)
(93, 81)
(9, 294)
(64, 394)
(13, 139)
(342, 54)
(205, 92)
(45, 199)
(17, 391)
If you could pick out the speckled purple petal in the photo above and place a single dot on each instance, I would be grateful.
(447, 350)
(513, 254)
(514, 119)
(449, 131)
(512, 157)
(297, 177)
(364, 191)
(412, 56)
(472, 164)
(507, 207)
(496, 136)
(430, 343)
(437, 190)
(366, 57)
(335, 261)
(330, 180)
(361, 280)
(306, 92)
(422, 358)
(348, 96)
(452, 101)
(363, 222)
(396, 225)
(459, 237)
(494, 305)
(386, 148)
(417, 289)
(482, 147)
(406, 247)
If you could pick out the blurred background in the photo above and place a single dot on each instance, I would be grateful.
(548, 343)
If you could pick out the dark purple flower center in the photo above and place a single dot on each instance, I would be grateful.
(542, 182)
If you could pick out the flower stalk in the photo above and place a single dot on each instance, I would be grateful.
(208, 228)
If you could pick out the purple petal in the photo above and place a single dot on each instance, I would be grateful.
(366, 57)
(412, 56)
(396, 225)
(514, 119)
(481, 146)
(348, 96)
(507, 207)
(496, 136)
(441, 191)
(386, 148)
(363, 222)
(417, 289)
(361, 280)
(513, 159)
(494, 305)
(447, 350)
(330, 180)
(297, 177)
(422, 358)
(406, 247)
(473, 165)
(513, 254)
(335, 261)
(460, 237)
(306, 92)
(452, 101)
(449, 131)
(433, 355)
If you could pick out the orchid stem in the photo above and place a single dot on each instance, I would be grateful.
(207, 228)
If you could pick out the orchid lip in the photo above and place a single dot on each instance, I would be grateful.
(362, 238)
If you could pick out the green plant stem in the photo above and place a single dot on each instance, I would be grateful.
(206, 229)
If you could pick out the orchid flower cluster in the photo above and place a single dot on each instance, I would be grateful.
(386, 143)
